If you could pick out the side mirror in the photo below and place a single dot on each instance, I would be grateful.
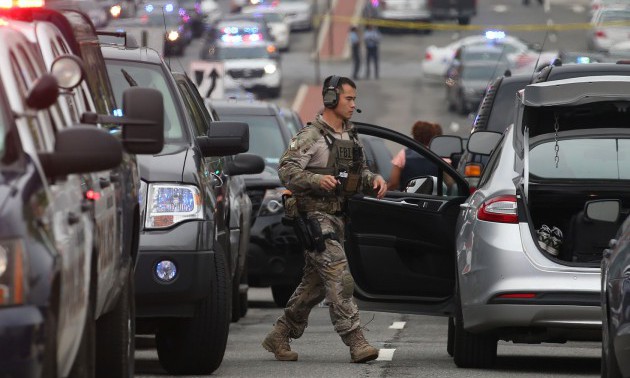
(143, 120)
(483, 142)
(602, 210)
(225, 138)
(81, 149)
(43, 93)
(446, 145)
(245, 164)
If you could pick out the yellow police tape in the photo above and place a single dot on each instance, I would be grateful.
(415, 25)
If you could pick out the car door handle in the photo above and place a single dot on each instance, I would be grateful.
(114, 177)
(104, 182)
(73, 218)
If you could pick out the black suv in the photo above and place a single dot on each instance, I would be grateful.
(184, 272)
(274, 257)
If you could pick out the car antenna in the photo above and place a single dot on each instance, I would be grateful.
(165, 36)
(539, 54)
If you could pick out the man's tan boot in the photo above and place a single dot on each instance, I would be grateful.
(360, 349)
(277, 342)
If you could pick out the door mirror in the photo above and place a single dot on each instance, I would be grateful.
(446, 145)
(81, 149)
(225, 138)
(483, 142)
(43, 93)
(422, 185)
(245, 164)
(603, 210)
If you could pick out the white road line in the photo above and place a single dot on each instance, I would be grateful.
(397, 325)
(299, 98)
(500, 8)
(385, 354)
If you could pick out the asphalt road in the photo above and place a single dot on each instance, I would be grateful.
(400, 97)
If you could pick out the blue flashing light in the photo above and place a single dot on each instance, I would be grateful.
(117, 112)
(495, 34)
(583, 60)
(169, 8)
(149, 8)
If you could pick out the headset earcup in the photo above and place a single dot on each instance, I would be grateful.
(330, 98)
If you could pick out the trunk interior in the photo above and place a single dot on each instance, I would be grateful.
(562, 205)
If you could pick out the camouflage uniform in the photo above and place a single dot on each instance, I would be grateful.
(326, 273)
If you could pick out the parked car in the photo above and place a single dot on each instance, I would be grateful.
(278, 26)
(184, 273)
(614, 301)
(435, 248)
(299, 13)
(229, 170)
(291, 119)
(106, 197)
(609, 25)
(466, 83)
(274, 257)
(460, 10)
(398, 10)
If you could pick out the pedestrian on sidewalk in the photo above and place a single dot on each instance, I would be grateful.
(355, 44)
(372, 39)
(323, 166)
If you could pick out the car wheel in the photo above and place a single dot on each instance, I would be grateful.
(50, 349)
(450, 340)
(463, 20)
(196, 345)
(282, 293)
(236, 300)
(115, 332)
(84, 365)
(243, 297)
(472, 350)
(610, 367)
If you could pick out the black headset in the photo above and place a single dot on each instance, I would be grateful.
(331, 92)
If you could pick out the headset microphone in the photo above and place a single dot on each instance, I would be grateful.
(358, 110)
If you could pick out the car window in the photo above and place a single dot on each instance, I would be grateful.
(502, 112)
(221, 53)
(149, 76)
(483, 73)
(265, 137)
(605, 158)
(199, 121)
(382, 157)
(492, 163)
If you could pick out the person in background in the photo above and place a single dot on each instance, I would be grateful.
(372, 39)
(408, 164)
(355, 43)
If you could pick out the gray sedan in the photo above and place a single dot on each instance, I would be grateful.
(609, 25)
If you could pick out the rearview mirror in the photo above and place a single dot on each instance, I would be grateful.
(43, 93)
(483, 142)
(245, 164)
(225, 138)
(603, 210)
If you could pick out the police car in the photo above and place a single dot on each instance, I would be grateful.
(62, 233)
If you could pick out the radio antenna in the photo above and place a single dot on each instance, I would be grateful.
(539, 54)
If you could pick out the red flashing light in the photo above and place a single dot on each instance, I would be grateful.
(9, 4)
(517, 296)
(500, 209)
(92, 195)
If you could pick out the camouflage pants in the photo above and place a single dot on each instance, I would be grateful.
(326, 275)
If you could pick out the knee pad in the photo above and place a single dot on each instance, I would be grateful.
(347, 283)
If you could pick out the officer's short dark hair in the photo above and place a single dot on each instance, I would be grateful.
(342, 80)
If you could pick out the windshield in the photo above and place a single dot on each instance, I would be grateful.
(265, 137)
(226, 53)
(615, 16)
(125, 74)
(484, 73)
(586, 159)
(488, 55)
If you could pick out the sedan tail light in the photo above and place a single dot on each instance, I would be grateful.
(427, 56)
(600, 34)
(500, 209)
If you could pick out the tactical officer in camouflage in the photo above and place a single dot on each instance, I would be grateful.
(322, 167)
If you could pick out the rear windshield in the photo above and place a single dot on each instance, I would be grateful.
(484, 73)
(502, 113)
(582, 159)
(125, 74)
(265, 138)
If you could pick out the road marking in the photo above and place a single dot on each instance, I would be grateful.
(299, 98)
(385, 354)
(500, 8)
(397, 325)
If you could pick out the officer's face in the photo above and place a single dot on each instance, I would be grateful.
(346, 106)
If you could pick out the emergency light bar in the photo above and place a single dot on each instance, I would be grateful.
(9, 4)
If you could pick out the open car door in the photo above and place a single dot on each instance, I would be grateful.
(401, 249)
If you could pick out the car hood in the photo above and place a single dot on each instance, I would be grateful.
(268, 178)
(247, 63)
(168, 165)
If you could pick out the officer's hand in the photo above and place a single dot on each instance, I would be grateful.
(328, 183)
(380, 186)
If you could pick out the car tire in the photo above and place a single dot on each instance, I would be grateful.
(196, 345)
(115, 332)
(50, 349)
(610, 366)
(84, 365)
(463, 20)
(236, 300)
(282, 293)
(472, 350)
(244, 297)
(450, 339)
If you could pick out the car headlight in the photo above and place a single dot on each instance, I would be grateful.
(270, 68)
(272, 202)
(169, 204)
(115, 10)
(173, 35)
(13, 272)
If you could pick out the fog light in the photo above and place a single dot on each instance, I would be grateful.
(165, 270)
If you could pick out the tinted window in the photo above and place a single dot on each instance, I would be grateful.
(483, 73)
(502, 113)
(582, 159)
(196, 113)
(265, 137)
(149, 76)
(221, 53)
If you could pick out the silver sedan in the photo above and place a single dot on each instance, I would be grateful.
(609, 25)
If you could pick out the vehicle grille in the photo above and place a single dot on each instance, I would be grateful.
(246, 73)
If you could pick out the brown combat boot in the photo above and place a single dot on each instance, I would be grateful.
(277, 342)
(360, 349)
